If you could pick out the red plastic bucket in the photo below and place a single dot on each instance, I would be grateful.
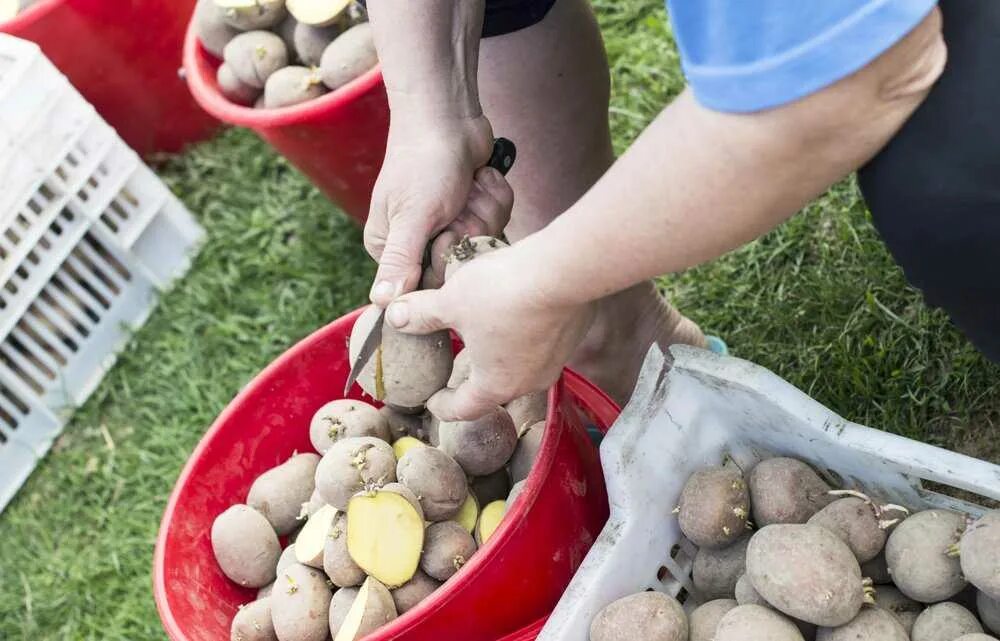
(338, 140)
(124, 57)
(513, 581)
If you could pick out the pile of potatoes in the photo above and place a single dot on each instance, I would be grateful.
(782, 556)
(278, 53)
(391, 505)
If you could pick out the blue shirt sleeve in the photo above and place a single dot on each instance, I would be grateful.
(749, 55)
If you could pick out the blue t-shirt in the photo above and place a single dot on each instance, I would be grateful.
(748, 55)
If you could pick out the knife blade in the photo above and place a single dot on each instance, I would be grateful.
(502, 159)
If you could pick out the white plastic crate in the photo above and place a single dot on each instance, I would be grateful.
(88, 236)
(710, 410)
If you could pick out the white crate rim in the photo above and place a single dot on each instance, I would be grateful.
(639, 535)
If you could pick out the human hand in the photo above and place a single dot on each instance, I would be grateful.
(432, 182)
(517, 339)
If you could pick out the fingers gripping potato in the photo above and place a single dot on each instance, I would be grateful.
(646, 615)
(245, 546)
(714, 507)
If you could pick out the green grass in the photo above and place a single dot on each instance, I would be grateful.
(819, 301)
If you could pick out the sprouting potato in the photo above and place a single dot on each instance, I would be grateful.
(980, 554)
(806, 572)
(858, 523)
(784, 490)
(352, 464)
(436, 479)
(337, 561)
(346, 418)
(447, 547)
(714, 507)
(245, 546)
(646, 615)
(300, 604)
(467, 249)
(919, 555)
(255, 55)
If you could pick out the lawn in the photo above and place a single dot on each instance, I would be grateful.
(819, 301)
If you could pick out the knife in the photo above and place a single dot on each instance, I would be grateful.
(502, 159)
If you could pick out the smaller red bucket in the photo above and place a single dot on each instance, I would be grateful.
(514, 580)
(338, 140)
(124, 58)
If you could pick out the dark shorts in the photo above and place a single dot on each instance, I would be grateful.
(507, 16)
(934, 191)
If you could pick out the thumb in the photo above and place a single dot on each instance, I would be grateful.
(466, 403)
(400, 265)
(418, 312)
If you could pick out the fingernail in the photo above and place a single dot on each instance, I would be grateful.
(383, 290)
(398, 314)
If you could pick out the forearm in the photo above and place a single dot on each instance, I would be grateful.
(429, 51)
(699, 183)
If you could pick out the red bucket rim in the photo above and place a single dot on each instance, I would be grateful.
(602, 406)
(201, 83)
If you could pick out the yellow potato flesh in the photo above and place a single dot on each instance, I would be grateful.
(404, 445)
(310, 541)
(385, 536)
(490, 519)
(317, 13)
(468, 514)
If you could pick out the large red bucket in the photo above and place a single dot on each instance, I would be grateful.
(124, 57)
(338, 140)
(514, 580)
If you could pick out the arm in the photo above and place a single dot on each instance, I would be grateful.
(696, 184)
(438, 136)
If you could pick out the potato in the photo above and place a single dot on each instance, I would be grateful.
(313, 505)
(716, 571)
(645, 615)
(319, 13)
(245, 546)
(372, 608)
(290, 86)
(279, 493)
(482, 446)
(337, 561)
(401, 424)
(234, 89)
(468, 514)
(855, 523)
(349, 57)
(877, 569)
(870, 625)
(210, 25)
(410, 594)
(526, 451)
(311, 540)
(489, 521)
(287, 558)
(467, 249)
(346, 418)
(528, 410)
(515, 493)
(980, 554)
(254, 56)
(705, 618)
(492, 487)
(756, 623)
(286, 31)
(311, 42)
(265, 591)
(905, 609)
(340, 605)
(385, 534)
(747, 595)
(714, 507)
(917, 554)
(989, 611)
(412, 367)
(403, 445)
(253, 622)
(460, 369)
(436, 479)
(447, 547)
(806, 572)
(352, 464)
(300, 604)
(247, 15)
(784, 490)
(944, 622)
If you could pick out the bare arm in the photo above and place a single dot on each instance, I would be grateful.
(695, 185)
